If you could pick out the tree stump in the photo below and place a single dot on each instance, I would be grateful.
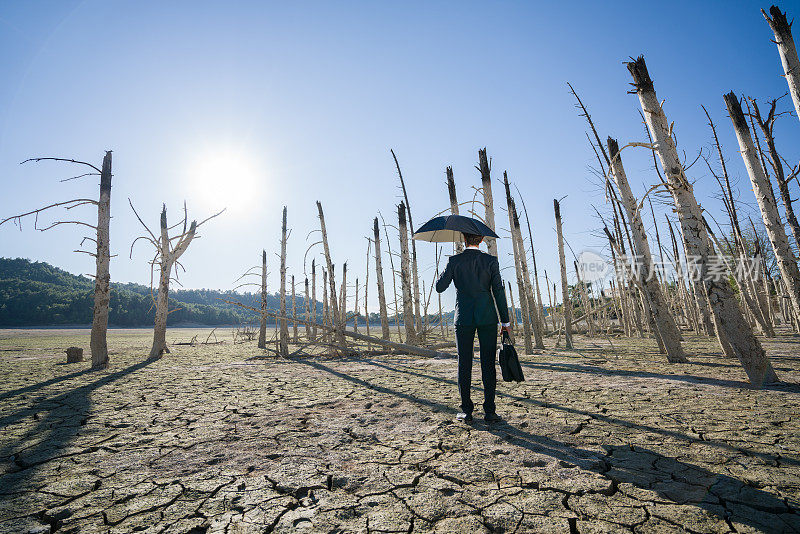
(74, 354)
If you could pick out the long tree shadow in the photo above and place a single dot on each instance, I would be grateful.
(719, 495)
(52, 435)
(39, 385)
(600, 417)
(691, 379)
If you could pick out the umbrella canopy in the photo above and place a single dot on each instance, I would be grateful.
(451, 229)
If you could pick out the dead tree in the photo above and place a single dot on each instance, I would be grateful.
(767, 126)
(550, 302)
(584, 295)
(666, 328)
(747, 347)
(314, 300)
(284, 325)
(451, 190)
(102, 255)
(526, 298)
(295, 339)
(414, 269)
(518, 256)
(334, 308)
(405, 277)
(379, 278)
(262, 331)
(308, 312)
(526, 277)
(392, 269)
(750, 294)
(355, 310)
(539, 308)
(688, 305)
(366, 288)
(776, 232)
(566, 301)
(102, 280)
(782, 29)
(512, 311)
(343, 303)
(262, 285)
(486, 180)
(166, 258)
(325, 311)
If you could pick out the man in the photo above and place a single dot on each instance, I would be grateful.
(476, 276)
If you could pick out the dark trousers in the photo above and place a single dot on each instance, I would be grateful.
(487, 339)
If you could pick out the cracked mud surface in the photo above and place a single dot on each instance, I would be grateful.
(606, 439)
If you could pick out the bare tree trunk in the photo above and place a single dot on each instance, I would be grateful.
(766, 202)
(451, 190)
(394, 282)
(366, 289)
(343, 304)
(747, 347)
(539, 308)
(162, 298)
(665, 325)
(314, 300)
(325, 310)
(262, 331)
(775, 160)
(334, 309)
(526, 278)
(523, 302)
(513, 311)
(308, 312)
(791, 316)
(355, 311)
(786, 49)
(414, 270)
(405, 276)
(550, 301)
(169, 255)
(486, 179)
(102, 280)
(768, 283)
(379, 277)
(284, 326)
(587, 310)
(689, 309)
(566, 301)
(619, 296)
(294, 314)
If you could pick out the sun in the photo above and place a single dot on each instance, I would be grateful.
(225, 177)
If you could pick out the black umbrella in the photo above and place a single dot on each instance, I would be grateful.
(450, 229)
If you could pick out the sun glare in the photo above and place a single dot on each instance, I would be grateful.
(226, 178)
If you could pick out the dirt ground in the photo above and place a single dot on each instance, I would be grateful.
(607, 438)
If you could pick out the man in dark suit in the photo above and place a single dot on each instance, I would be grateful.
(476, 276)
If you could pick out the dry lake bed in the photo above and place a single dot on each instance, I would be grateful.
(606, 438)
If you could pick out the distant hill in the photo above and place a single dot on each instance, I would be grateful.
(39, 294)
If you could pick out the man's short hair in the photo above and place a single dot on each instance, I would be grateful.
(472, 240)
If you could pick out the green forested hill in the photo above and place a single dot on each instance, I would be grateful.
(39, 294)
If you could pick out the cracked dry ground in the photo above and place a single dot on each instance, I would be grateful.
(604, 439)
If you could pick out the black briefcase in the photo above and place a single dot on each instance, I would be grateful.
(509, 362)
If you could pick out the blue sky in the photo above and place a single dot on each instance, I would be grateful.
(257, 105)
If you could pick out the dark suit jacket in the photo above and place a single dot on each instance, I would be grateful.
(476, 276)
